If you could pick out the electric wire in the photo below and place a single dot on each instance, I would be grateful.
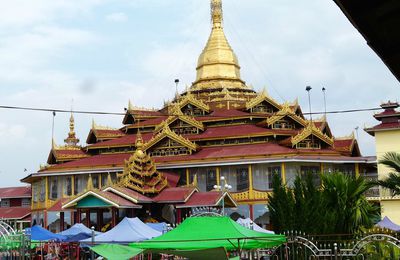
(54, 110)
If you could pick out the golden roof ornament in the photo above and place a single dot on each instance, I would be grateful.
(89, 185)
(71, 140)
(217, 65)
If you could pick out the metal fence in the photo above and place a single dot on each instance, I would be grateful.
(376, 244)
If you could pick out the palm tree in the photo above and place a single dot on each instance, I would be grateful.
(392, 182)
(348, 210)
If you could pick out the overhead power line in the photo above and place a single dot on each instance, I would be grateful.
(52, 110)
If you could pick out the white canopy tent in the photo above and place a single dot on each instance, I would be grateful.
(248, 223)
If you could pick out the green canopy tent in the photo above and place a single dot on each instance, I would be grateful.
(116, 252)
(202, 233)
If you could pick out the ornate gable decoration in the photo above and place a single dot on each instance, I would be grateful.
(167, 132)
(311, 129)
(263, 96)
(190, 99)
(345, 143)
(286, 110)
(140, 173)
(187, 119)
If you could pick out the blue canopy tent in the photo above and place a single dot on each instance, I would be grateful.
(160, 227)
(128, 230)
(76, 229)
(77, 237)
(40, 234)
(387, 223)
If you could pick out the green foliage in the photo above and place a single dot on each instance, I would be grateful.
(392, 161)
(337, 206)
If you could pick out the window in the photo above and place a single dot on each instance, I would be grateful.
(242, 211)
(26, 203)
(68, 185)
(206, 177)
(263, 175)
(237, 177)
(309, 143)
(80, 183)
(55, 188)
(5, 203)
(242, 176)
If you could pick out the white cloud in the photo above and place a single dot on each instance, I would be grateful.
(117, 17)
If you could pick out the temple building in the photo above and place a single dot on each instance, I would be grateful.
(387, 139)
(215, 145)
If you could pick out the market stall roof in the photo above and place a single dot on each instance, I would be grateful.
(128, 230)
(76, 229)
(41, 234)
(387, 223)
(248, 223)
(199, 233)
(160, 227)
(116, 252)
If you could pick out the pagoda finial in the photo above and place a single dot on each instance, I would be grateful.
(139, 140)
(71, 140)
(194, 183)
(93, 124)
(130, 106)
(216, 13)
(89, 185)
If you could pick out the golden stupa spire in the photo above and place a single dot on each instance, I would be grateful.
(217, 66)
(71, 140)
(216, 13)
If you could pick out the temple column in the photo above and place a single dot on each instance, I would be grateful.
(61, 221)
(218, 175)
(187, 177)
(88, 218)
(357, 169)
(322, 168)
(99, 216)
(78, 216)
(283, 170)
(251, 212)
(178, 216)
(251, 190)
(114, 217)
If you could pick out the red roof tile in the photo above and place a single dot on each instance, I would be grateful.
(122, 141)
(204, 199)
(236, 130)
(175, 195)
(342, 143)
(131, 193)
(58, 205)
(15, 192)
(14, 213)
(69, 152)
(101, 160)
(149, 122)
(172, 178)
(206, 153)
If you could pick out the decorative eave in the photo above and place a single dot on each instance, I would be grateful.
(263, 96)
(189, 98)
(187, 119)
(286, 111)
(98, 194)
(311, 129)
(167, 132)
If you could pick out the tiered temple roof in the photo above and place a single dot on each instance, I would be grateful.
(218, 119)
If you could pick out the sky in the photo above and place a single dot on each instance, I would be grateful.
(98, 54)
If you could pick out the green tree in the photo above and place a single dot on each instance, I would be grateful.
(392, 182)
(337, 206)
(347, 209)
(281, 206)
